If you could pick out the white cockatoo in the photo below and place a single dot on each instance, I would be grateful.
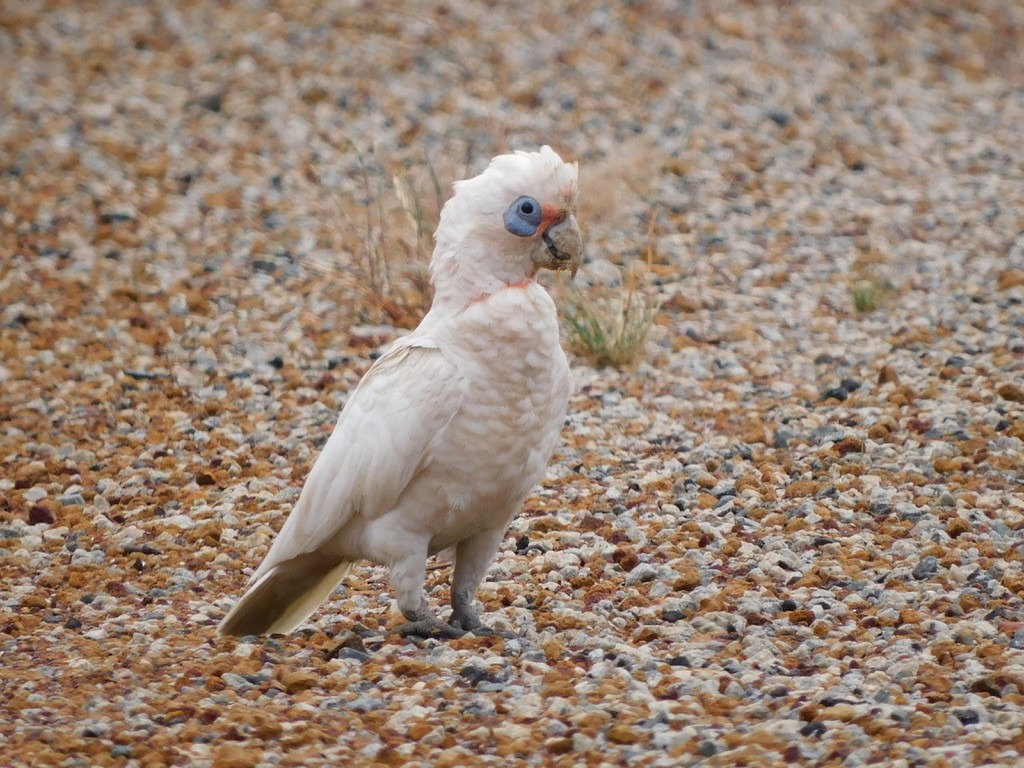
(447, 433)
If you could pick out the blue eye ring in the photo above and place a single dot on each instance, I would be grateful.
(523, 217)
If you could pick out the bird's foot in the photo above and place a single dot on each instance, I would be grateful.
(428, 626)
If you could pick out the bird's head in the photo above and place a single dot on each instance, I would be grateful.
(515, 218)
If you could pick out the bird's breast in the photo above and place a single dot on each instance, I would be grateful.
(517, 387)
(510, 339)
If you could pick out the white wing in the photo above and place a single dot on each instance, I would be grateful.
(382, 440)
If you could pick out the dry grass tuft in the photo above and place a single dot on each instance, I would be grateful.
(385, 222)
(608, 325)
(868, 290)
(867, 294)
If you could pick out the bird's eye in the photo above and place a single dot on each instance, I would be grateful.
(523, 217)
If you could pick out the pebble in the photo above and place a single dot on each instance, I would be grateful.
(235, 681)
(35, 494)
(1018, 639)
(926, 568)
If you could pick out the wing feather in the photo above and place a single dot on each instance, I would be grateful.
(382, 440)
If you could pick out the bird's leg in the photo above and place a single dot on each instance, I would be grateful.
(472, 556)
(465, 616)
(407, 576)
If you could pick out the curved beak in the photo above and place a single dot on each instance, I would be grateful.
(564, 245)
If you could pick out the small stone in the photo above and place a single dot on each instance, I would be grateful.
(453, 757)
(560, 745)
(177, 305)
(966, 716)
(626, 558)
(987, 685)
(843, 712)
(88, 557)
(34, 494)
(814, 728)
(642, 573)
(926, 568)
(40, 515)
(835, 393)
(707, 748)
(887, 375)
(948, 464)
(911, 512)
(805, 617)
(829, 433)
(29, 474)
(366, 703)
(95, 730)
(782, 438)
(475, 675)
(621, 733)
(235, 681)
(412, 667)
(1010, 278)
(850, 445)
(295, 680)
(957, 527)
(1017, 641)
(1010, 391)
(724, 488)
(349, 640)
(688, 579)
(234, 756)
(352, 654)
(802, 488)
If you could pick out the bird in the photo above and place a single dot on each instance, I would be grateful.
(447, 433)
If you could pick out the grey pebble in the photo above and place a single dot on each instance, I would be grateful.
(908, 511)
(366, 703)
(926, 568)
(34, 494)
(641, 573)
(1017, 641)
(967, 716)
(235, 681)
(352, 653)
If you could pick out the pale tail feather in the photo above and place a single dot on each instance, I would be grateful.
(285, 596)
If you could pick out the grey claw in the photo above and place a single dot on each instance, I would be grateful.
(429, 628)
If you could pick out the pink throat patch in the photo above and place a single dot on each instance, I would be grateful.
(519, 285)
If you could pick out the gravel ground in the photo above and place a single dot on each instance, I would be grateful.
(792, 534)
